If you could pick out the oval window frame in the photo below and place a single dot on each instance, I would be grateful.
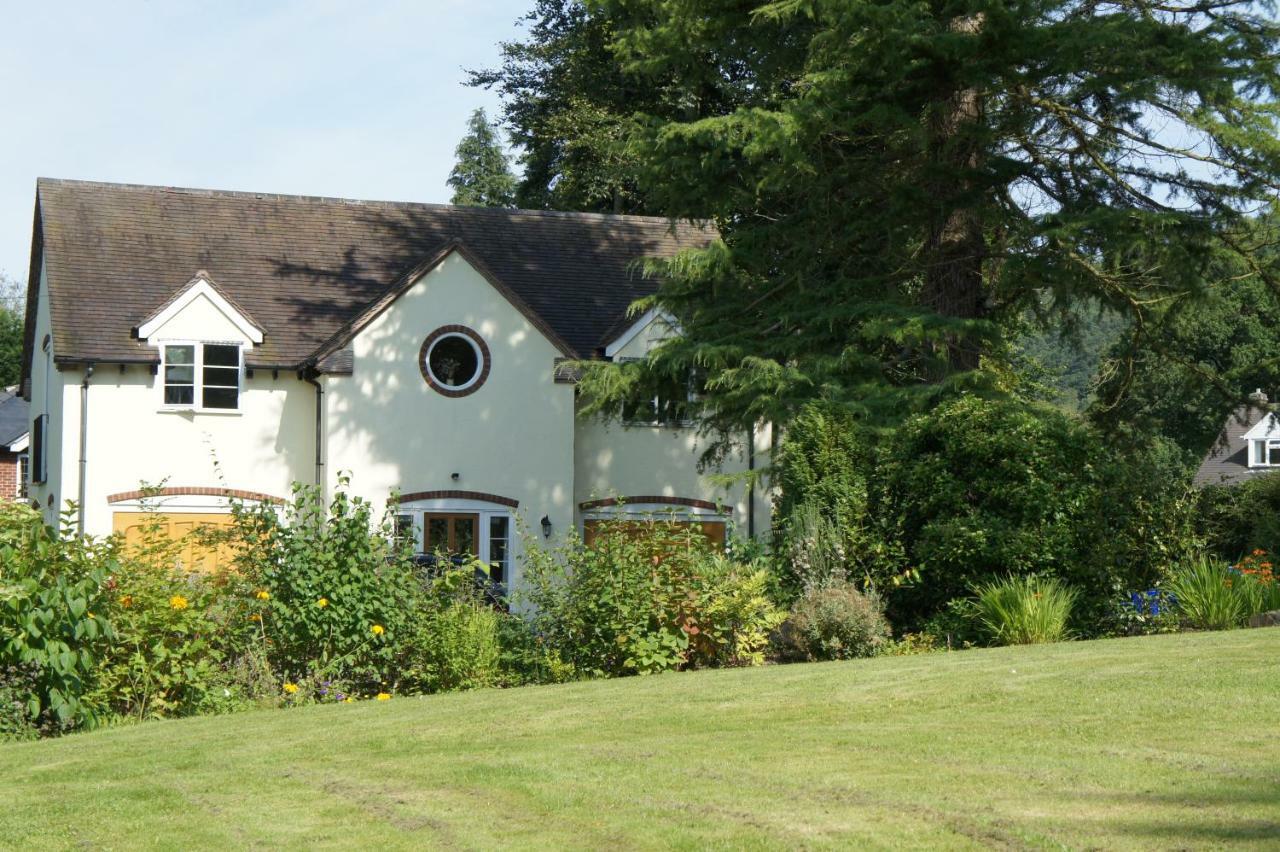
(482, 354)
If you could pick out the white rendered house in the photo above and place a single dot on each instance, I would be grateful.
(229, 344)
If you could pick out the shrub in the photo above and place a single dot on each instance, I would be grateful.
(1024, 610)
(1238, 519)
(335, 598)
(645, 597)
(52, 619)
(978, 490)
(455, 641)
(1145, 612)
(834, 621)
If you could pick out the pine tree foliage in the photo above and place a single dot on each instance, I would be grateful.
(571, 107)
(482, 176)
(907, 177)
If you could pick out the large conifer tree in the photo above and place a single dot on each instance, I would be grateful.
(482, 176)
(906, 175)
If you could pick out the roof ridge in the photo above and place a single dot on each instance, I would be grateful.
(361, 202)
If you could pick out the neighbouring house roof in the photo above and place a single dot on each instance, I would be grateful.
(14, 422)
(1227, 461)
(306, 268)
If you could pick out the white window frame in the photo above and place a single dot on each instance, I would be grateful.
(418, 509)
(656, 423)
(475, 347)
(22, 461)
(197, 403)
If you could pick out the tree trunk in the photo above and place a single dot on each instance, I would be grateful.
(955, 244)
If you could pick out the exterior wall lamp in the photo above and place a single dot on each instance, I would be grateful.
(546, 527)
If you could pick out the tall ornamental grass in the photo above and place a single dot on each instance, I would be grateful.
(1024, 610)
(1215, 596)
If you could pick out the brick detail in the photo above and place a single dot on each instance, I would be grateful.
(666, 501)
(459, 495)
(8, 475)
(194, 491)
(470, 335)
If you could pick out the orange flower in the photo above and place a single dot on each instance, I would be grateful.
(126, 601)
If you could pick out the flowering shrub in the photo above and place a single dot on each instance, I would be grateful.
(332, 597)
(1215, 596)
(1146, 612)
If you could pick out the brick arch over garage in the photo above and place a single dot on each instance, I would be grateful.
(640, 499)
(194, 491)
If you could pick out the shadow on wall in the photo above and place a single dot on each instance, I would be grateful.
(512, 428)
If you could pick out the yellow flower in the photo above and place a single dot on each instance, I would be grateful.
(378, 629)
(178, 602)
(126, 601)
(291, 688)
(263, 595)
(348, 700)
(91, 615)
(255, 617)
(384, 696)
(322, 603)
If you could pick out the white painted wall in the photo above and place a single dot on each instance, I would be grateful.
(614, 459)
(265, 446)
(46, 398)
(513, 437)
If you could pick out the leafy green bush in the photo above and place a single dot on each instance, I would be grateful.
(834, 621)
(1239, 519)
(335, 596)
(1024, 610)
(978, 490)
(52, 621)
(646, 597)
(456, 640)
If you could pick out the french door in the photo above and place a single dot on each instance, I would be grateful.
(454, 533)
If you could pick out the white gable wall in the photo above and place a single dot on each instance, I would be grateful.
(513, 437)
(46, 398)
(201, 319)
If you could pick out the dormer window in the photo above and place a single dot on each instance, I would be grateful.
(1265, 453)
(202, 376)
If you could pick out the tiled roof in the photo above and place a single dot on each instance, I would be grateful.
(1227, 461)
(14, 421)
(305, 267)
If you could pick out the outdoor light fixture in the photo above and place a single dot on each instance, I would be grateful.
(455, 476)
(546, 527)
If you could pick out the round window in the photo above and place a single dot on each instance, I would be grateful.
(454, 360)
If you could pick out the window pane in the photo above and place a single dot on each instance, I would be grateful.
(498, 526)
(227, 377)
(179, 354)
(437, 534)
(221, 355)
(453, 361)
(218, 397)
(179, 375)
(465, 530)
(179, 395)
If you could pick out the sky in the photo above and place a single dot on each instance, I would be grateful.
(353, 99)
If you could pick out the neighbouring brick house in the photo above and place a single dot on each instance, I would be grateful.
(13, 445)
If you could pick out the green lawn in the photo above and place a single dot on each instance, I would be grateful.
(1159, 742)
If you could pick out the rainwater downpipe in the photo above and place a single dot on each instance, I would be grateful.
(84, 449)
(311, 380)
(751, 484)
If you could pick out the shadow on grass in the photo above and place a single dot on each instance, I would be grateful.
(1245, 810)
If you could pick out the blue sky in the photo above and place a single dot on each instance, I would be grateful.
(363, 100)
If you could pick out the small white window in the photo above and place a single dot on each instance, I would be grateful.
(202, 376)
(24, 473)
(499, 562)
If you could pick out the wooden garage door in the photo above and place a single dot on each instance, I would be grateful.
(193, 555)
(713, 530)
